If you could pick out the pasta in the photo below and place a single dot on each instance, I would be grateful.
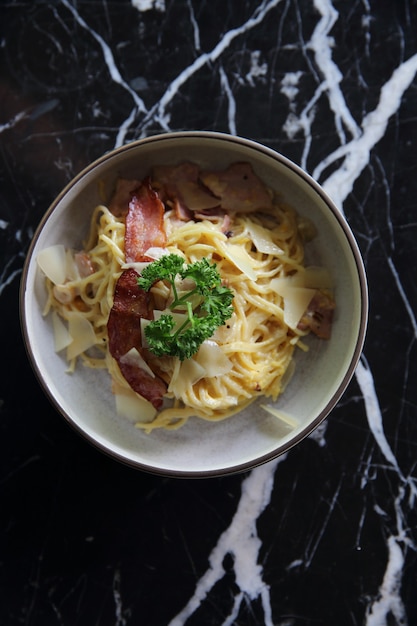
(256, 343)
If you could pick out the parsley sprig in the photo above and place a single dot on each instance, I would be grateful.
(212, 305)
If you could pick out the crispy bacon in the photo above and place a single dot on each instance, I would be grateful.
(144, 223)
(144, 213)
(238, 188)
(319, 315)
(131, 303)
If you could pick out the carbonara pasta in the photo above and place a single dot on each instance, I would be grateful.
(259, 256)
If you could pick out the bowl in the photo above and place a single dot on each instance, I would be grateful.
(253, 436)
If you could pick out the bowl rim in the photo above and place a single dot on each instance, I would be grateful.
(353, 246)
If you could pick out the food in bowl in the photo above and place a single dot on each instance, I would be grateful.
(201, 447)
(192, 291)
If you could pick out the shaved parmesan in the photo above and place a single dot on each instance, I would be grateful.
(262, 239)
(299, 289)
(186, 376)
(296, 299)
(71, 269)
(53, 263)
(62, 337)
(239, 257)
(82, 333)
(213, 359)
(156, 252)
(133, 407)
(179, 318)
(138, 266)
(280, 285)
(153, 253)
(143, 324)
(135, 359)
(296, 302)
(313, 277)
(284, 417)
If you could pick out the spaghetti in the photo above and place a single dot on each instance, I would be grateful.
(253, 252)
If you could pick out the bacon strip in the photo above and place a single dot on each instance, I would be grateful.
(123, 327)
(144, 223)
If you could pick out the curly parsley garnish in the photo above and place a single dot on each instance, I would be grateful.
(207, 305)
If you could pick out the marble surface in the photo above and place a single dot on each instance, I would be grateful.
(325, 535)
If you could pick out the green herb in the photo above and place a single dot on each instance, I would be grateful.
(207, 305)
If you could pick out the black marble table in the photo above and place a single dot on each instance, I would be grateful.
(325, 535)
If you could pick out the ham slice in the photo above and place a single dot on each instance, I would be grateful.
(144, 223)
(131, 303)
(180, 184)
(238, 187)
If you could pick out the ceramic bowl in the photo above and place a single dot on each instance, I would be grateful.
(251, 437)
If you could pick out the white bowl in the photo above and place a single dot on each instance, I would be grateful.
(251, 437)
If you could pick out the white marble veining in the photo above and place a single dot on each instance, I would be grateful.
(314, 75)
(241, 541)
